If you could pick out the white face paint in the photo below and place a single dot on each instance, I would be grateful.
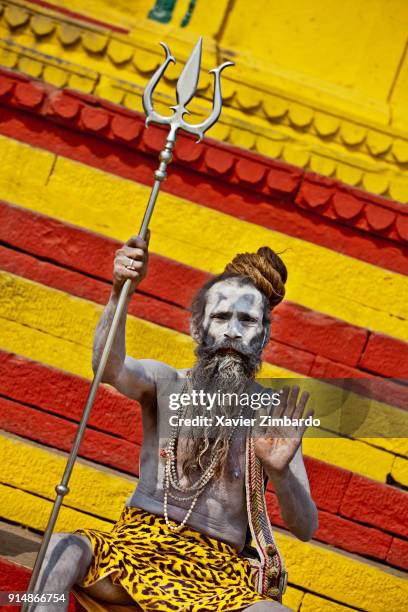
(233, 312)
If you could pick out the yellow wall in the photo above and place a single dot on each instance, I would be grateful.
(354, 44)
(350, 48)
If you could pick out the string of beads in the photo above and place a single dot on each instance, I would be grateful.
(171, 478)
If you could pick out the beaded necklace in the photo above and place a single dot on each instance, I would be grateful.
(170, 472)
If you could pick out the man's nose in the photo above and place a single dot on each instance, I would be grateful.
(233, 330)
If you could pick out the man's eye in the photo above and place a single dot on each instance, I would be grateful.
(219, 316)
(248, 319)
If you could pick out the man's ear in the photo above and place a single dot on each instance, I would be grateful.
(266, 335)
(194, 332)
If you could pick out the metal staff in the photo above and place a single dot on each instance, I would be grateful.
(186, 88)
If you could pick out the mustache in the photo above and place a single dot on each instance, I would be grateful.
(213, 366)
(235, 345)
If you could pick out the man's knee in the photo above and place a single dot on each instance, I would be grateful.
(67, 551)
(75, 544)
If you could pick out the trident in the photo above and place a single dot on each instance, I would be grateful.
(186, 88)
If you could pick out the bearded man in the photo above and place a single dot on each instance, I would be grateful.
(178, 543)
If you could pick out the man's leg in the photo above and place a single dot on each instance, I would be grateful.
(66, 562)
(266, 606)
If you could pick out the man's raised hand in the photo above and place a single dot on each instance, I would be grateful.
(131, 262)
(278, 445)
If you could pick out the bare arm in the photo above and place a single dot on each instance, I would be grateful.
(132, 377)
(296, 504)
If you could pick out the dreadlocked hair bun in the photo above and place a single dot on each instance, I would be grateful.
(265, 269)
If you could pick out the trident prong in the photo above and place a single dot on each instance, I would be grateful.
(151, 114)
(185, 90)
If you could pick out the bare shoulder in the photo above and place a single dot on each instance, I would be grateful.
(169, 379)
(157, 369)
(139, 378)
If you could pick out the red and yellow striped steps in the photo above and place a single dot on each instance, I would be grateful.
(299, 198)
(174, 283)
(161, 313)
(54, 274)
(44, 405)
(59, 396)
(295, 330)
(55, 392)
(98, 201)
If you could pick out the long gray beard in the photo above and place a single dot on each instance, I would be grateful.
(225, 374)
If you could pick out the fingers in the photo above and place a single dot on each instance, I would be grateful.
(302, 429)
(132, 253)
(135, 250)
(299, 405)
(292, 399)
(128, 262)
(137, 241)
(280, 410)
(131, 262)
(130, 258)
(310, 413)
(122, 272)
(290, 404)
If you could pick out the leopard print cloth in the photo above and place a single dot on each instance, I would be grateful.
(166, 571)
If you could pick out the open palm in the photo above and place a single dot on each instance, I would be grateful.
(278, 445)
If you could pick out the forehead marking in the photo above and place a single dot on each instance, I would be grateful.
(245, 298)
